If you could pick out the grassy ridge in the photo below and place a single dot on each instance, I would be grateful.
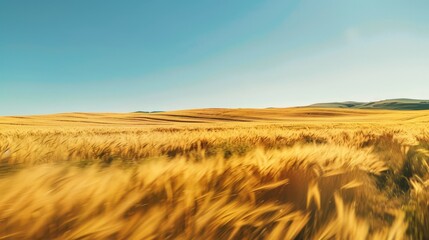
(212, 116)
(391, 104)
(273, 174)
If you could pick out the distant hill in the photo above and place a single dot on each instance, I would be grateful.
(148, 111)
(390, 104)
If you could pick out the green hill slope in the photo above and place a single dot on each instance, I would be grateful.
(390, 104)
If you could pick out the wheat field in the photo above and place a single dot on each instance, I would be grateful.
(297, 173)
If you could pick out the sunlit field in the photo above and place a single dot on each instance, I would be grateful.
(297, 173)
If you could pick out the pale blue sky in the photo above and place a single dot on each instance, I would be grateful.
(123, 56)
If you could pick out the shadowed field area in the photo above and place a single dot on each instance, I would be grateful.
(216, 115)
(299, 173)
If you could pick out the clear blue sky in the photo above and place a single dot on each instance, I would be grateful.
(122, 56)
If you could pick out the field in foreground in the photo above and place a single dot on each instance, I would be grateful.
(216, 174)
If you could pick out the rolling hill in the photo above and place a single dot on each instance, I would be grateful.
(390, 104)
(335, 113)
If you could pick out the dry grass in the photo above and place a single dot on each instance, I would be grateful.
(216, 174)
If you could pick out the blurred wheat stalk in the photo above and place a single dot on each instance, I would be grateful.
(354, 181)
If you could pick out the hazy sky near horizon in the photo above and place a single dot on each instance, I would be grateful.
(123, 56)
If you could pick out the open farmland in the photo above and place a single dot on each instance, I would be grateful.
(298, 173)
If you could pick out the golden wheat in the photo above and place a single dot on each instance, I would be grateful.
(353, 178)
